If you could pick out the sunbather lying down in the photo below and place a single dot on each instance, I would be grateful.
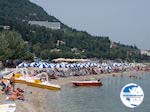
(16, 95)
(4, 83)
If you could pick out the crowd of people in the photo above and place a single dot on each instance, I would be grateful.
(95, 69)
(8, 88)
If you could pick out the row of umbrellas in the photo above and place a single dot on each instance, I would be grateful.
(72, 65)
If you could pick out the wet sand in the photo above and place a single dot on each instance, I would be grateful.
(35, 98)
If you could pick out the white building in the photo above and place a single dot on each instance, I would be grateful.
(52, 25)
(5, 27)
(145, 52)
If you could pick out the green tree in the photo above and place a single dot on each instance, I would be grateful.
(12, 46)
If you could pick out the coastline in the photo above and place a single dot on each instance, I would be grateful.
(67, 80)
(35, 98)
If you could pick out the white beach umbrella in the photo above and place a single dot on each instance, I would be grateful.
(58, 66)
(104, 64)
(34, 64)
(81, 66)
(42, 65)
(51, 65)
(99, 65)
(66, 65)
(23, 64)
(71, 66)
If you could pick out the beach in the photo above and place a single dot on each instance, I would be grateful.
(67, 80)
(36, 98)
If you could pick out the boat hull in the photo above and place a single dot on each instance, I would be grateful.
(49, 87)
(20, 81)
(87, 83)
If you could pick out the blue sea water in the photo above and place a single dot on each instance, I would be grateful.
(99, 99)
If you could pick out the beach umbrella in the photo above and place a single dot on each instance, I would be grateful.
(109, 67)
(34, 64)
(99, 66)
(39, 64)
(78, 64)
(71, 65)
(104, 64)
(106, 68)
(114, 64)
(125, 64)
(42, 65)
(51, 65)
(95, 64)
(58, 66)
(87, 65)
(23, 64)
(62, 65)
(81, 66)
(66, 65)
(91, 65)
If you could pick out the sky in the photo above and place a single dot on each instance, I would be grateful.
(124, 21)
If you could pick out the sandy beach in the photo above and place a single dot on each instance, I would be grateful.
(35, 98)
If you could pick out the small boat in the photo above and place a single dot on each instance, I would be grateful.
(87, 83)
(20, 76)
(44, 84)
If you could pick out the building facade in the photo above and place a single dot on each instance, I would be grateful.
(52, 25)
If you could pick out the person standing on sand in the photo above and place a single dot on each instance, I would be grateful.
(12, 82)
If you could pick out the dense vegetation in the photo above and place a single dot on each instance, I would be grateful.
(47, 43)
(12, 46)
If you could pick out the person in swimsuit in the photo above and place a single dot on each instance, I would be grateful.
(12, 82)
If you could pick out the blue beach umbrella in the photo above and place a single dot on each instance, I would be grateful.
(57, 66)
(23, 64)
(52, 65)
(43, 65)
(104, 64)
(81, 66)
(99, 66)
(34, 64)
(67, 65)
(49, 66)
(87, 65)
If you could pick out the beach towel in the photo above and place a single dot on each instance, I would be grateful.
(8, 108)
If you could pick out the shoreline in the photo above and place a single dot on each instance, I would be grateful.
(67, 80)
(37, 102)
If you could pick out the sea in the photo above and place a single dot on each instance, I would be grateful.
(99, 99)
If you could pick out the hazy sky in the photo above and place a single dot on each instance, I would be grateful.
(125, 21)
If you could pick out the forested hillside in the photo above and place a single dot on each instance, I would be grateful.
(66, 42)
